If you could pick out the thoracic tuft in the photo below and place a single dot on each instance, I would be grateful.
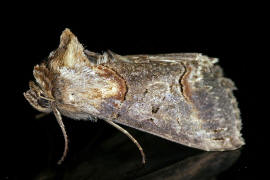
(70, 52)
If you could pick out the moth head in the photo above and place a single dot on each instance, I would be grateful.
(37, 98)
(39, 94)
(68, 55)
(72, 80)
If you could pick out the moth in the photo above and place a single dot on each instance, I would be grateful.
(182, 97)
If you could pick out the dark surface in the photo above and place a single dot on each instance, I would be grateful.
(121, 160)
(32, 147)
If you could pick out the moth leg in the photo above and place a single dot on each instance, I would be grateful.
(62, 126)
(130, 137)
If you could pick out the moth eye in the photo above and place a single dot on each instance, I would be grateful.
(43, 102)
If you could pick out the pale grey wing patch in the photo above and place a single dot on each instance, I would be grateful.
(165, 58)
(118, 58)
(106, 57)
(180, 57)
(92, 56)
(96, 58)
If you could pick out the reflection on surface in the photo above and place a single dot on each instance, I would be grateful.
(118, 158)
(204, 166)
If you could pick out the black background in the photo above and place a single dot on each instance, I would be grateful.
(33, 146)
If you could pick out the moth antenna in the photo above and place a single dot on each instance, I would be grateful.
(130, 137)
(62, 126)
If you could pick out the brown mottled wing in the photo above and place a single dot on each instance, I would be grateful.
(165, 99)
